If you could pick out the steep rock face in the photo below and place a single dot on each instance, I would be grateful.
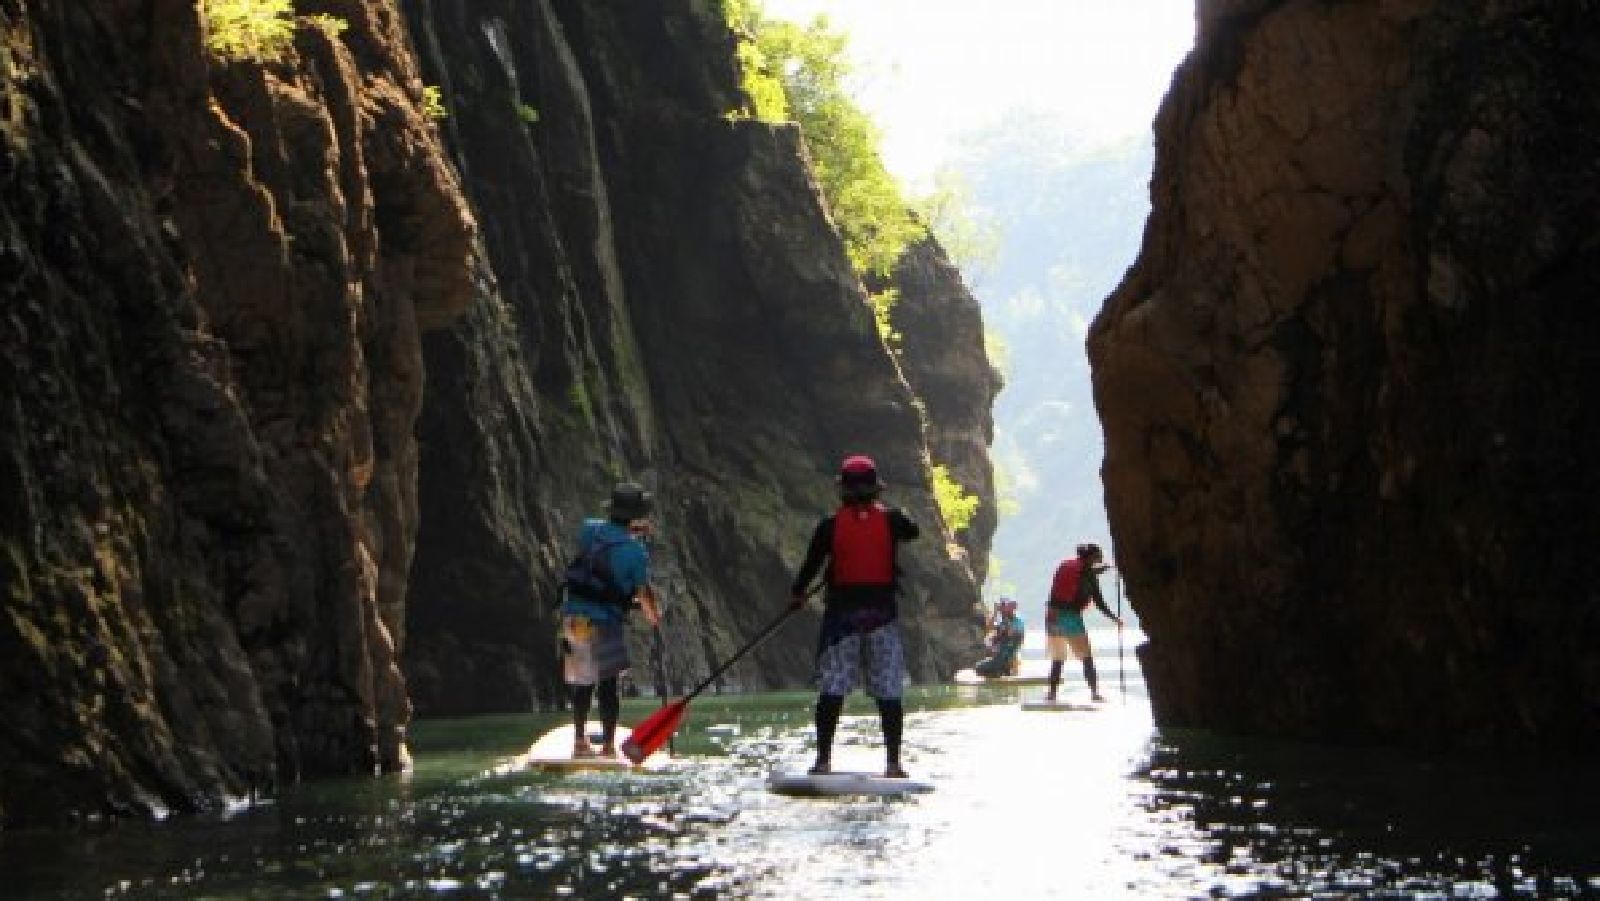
(664, 299)
(946, 362)
(1349, 466)
(214, 279)
(224, 284)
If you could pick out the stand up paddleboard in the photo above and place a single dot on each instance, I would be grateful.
(1041, 704)
(969, 676)
(553, 751)
(804, 785)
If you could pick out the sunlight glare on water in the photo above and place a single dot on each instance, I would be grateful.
(1021, 798)
(1027, 804)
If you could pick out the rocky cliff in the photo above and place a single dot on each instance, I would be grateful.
(664, 299)
(1351, 462)
(943, 355)
(215, 276)
(297, 377)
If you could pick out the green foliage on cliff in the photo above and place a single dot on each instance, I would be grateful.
(249, 29)
(882, 303)
(971, 241)
(333, 25)
(433, 102)
(798, 73)
(955, 504)
(758, 75)
(261, 30)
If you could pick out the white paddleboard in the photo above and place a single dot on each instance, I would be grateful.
(553, 751)
(806, 785)
(1041, 704)
(969, 676)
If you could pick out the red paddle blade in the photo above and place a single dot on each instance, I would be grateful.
(653, 732)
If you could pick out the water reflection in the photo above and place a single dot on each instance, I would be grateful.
(1285, 819)
(1028, 805)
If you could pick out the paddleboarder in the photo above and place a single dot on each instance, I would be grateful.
(859, 621)
(1076, 585)
(1005, 642)
(607, 578)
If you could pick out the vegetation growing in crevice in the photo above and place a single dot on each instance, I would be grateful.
(955, 504)
(882, 303)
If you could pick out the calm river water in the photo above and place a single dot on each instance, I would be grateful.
(1028, 805)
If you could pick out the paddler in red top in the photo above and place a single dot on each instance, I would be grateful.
(1075, 586)
(859, 626)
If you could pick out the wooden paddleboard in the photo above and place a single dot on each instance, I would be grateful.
(843, 783)
(969, 676)
(1040, 704)
(553, 751)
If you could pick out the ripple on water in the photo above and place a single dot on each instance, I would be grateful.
(1027, 804)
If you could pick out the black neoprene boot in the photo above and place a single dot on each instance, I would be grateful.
(1055, 679)
(1092, 678)
(610, 705)
(828, 707)
(892, 714)
(582, 695)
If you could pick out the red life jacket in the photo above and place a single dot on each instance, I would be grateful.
(863, 547)
(1064, 587)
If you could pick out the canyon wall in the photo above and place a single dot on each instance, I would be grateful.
(666, 300)
(311, 365)
(215, 279)
(1350, 464)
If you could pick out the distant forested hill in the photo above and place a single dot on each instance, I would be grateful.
(1071, 218)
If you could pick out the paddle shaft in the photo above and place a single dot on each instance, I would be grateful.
(1122, 674)
(661, 674)
(748, 647)
(658, 727)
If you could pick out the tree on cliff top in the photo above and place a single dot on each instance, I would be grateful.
(798, 73)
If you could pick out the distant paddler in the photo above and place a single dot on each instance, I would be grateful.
(1076, 585)
(1006, 632)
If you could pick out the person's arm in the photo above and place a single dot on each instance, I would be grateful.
(903, 527)
(1093, 587)
(631, 564)
(821, 545)
(649, 604)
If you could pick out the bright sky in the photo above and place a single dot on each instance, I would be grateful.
(928, 70)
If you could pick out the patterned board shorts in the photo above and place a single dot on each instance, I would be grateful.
(592, 650)
(882, 653)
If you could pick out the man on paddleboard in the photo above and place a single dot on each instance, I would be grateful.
(859, 627)
(608, 577)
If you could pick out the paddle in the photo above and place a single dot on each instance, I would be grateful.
(657, 728)
(658, 651)
(1122, 674)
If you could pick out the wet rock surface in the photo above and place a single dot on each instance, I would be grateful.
(1348, 468)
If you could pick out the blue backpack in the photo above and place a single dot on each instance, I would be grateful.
(589, 575)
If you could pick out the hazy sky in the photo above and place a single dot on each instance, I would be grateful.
(930, 69)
